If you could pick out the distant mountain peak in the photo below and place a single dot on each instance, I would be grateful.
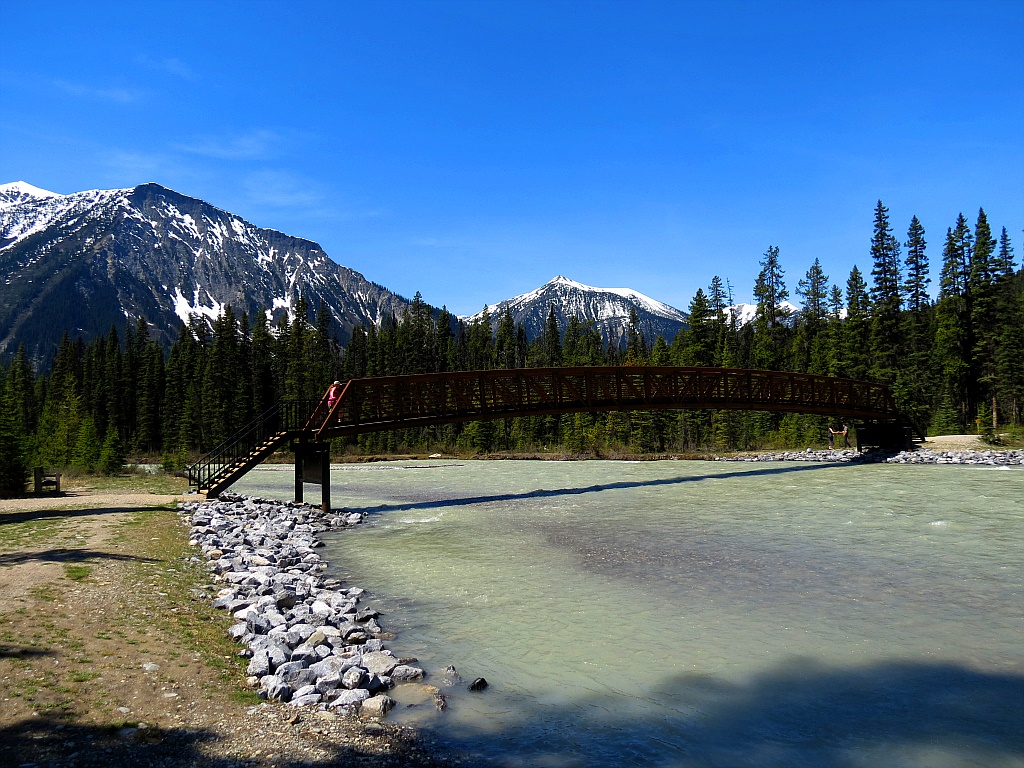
(16, 192)
(607, 308)
(745, 313)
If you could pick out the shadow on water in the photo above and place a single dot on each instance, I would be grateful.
(799, 714)
(623, 485)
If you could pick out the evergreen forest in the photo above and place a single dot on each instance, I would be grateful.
(955, 363)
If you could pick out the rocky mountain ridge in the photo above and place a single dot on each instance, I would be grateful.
(607, 309)
(82, 262)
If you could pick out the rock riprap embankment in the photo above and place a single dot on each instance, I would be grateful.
(308, 640)
(921, 456)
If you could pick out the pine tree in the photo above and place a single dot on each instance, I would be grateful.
(956, 259)
(59, 423)
(953, 337)
(114, 365)
(14, 469)
(222, 375)
(916, 286)
(807, 349)
(1009, 360)
(1004, 261)
(479, 344)
(112, 455)
(149, 386)
(886, 301)
(717, 300)
(86, 453)
(21, 381)
(770, 289)
(813, 289)
(769, 335)
(914, 388)
(443, 340)
(552, 339)
(700, 338)
(261, 373)
(983, 321)
(853, 362)
(636, 342)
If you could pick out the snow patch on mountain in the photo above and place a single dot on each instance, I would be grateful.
(16, 192)
(186, 309)
(21, 220)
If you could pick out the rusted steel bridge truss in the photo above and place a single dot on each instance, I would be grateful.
(420, 400)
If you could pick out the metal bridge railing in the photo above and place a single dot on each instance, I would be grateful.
(276, 424)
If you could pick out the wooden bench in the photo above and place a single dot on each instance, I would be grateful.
(45, 482)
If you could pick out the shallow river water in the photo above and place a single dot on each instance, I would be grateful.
(698, 613)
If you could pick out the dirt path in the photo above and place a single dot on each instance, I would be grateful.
(111, 655)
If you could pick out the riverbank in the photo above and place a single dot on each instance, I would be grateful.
(309, 642)
(110, 654)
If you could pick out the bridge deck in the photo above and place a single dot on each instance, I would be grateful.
(398, 402)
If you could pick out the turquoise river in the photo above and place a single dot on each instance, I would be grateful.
(680, 613)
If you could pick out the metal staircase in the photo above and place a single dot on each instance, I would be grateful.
(286, 420)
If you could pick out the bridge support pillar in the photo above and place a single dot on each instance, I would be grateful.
(325, 480)
(313, 465)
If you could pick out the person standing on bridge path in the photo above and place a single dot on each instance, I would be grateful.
(333, 394)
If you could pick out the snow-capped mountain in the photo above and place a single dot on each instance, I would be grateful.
(607, 308)
(82, 262)
(20, 192)
(745, 313)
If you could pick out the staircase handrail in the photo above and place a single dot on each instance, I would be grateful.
(282, 418)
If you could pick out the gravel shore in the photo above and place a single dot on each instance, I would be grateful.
(920, 456)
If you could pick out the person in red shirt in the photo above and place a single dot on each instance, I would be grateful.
(333, 394)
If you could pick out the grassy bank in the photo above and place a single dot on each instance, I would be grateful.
(110, 653)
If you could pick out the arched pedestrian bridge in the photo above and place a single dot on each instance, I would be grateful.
(423, 400)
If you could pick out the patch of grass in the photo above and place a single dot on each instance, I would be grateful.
(81, 677)
(195, 627)
(13, 535)
(77, 572)
(47, 592)
(244, 696)
(143, 482)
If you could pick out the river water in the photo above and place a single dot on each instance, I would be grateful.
(681, 613)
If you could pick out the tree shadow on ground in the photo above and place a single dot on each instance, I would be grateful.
(22, 651)
(66, 555)
(622, 485)
(44, 741)
(27, 516)
(800, 714)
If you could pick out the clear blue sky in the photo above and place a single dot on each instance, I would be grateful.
(474, 150)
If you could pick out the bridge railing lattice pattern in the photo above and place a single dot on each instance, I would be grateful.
(397, 402)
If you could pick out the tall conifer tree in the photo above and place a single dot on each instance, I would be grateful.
(886, 301)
